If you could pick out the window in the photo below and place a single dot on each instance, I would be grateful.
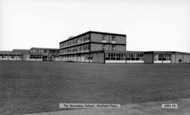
(113, 48)
(103, 46)
(107, 56)
(118, 56)
(103, 37)
(45, 51)
(78, 41)
(86, 38)
(113, 38)
(160, 57)
(80, 48)
(113, 56)
(75, 41)
(35, 56)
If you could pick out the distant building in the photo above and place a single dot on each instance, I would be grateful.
(11, 56)
(43, 54)
(33, 54)
(25, 53)
(92, 46)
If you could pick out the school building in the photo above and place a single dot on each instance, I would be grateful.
(166, 57)
(95, 47)
(33, 54)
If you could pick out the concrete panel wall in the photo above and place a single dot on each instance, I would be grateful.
(186, 58)
(148, 58)
(119, 48)
(108, 38)
(98, 57)
(96, 37)
(96, 47)
(120, 39)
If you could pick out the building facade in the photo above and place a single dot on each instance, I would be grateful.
(43, 54)
(95, 47)
(10, 56)
(135, 57)
(92, 46)
(33, 54)
(166, 57)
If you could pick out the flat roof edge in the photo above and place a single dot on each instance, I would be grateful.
(88, 32)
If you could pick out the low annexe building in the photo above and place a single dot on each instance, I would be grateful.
(159, 57)
(33, 54)
(43, 54)
(166, 57)
(11, 56)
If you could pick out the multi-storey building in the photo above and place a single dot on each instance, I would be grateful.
(94, 46)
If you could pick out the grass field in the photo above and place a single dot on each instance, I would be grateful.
(27, 87)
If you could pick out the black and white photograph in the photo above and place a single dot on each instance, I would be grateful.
(94, 57)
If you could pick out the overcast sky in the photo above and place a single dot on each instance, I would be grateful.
(149, 24)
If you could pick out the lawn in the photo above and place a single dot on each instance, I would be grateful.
(27, 87)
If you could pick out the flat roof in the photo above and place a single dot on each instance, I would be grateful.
(136, 51)
(170, 52)
(9, 53)
(167, 52)
(44, 48)
(97, 32)
(21, 50)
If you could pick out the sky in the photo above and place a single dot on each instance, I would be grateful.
(148, 24)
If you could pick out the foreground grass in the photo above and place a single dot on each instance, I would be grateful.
(27, 87)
